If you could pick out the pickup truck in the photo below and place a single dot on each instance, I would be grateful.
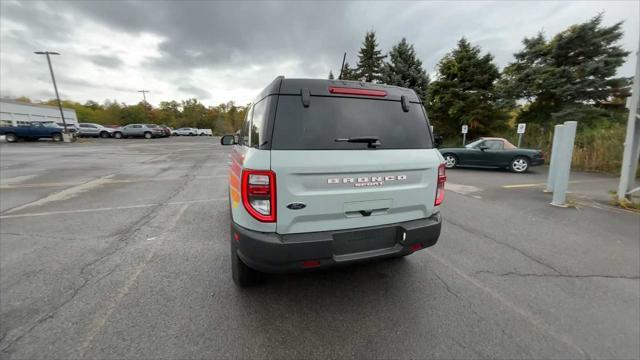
(34, 131)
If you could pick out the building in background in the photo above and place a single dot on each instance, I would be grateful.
(16, 113)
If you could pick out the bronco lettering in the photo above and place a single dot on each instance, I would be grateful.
(366, 180)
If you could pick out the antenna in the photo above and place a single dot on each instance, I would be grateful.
(342, 67)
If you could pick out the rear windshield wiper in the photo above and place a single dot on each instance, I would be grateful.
(371, 141)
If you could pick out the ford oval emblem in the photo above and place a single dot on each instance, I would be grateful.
(296, 206)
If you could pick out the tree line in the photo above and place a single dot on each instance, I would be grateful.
(570, 76)
(221, 119)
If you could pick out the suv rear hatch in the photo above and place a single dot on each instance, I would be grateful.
(327, 184)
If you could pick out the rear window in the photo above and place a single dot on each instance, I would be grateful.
(328, 118)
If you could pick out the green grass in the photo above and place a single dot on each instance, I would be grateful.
(598, 150)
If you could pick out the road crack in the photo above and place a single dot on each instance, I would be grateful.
(518, 250)
(568, 276)
(121, 238)
(74, 292)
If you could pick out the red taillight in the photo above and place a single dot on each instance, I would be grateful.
(310, 264)
(415, 247)
(442, 178)
(259, 194)
(355, 91)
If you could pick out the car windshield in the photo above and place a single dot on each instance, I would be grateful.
(473, 144)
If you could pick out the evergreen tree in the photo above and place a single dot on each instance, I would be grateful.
(405, 69)
(348, 73)
(331, 77)
(370, 59)
(464, 93)
(568, 76)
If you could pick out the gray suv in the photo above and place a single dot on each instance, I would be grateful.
(331, 172)
(89, 129)
(147, 131)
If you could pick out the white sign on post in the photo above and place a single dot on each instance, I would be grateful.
(465, 128)
(521, 128)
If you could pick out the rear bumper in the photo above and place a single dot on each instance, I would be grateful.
(274, 253)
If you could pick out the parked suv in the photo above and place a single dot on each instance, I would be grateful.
(331, 172)
(147, 131)
(89, 129)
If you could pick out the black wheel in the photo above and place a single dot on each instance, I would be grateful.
(117, 135)
(11, 137)
(57, 137)
(104, 134)
(519, 164)
(243, 275)
(450, 161)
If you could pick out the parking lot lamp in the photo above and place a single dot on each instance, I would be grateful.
(55, 86)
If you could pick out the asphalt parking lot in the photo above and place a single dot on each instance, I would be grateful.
(119, 249)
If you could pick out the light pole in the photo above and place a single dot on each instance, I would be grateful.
(55, 87)
(144, 94)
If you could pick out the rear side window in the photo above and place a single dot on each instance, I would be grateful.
(243, 139)
(328, 118)
(258, 130)
(494, 144)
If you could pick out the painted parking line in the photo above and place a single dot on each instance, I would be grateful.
(11, 185)
(461, 189)
(516, 186)
(64, 212)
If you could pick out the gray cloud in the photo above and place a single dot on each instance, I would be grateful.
(106, 61)
(248, 43)
(199, 93)
(228, 34)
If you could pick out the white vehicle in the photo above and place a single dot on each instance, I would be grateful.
(205, 132)
(186, 131)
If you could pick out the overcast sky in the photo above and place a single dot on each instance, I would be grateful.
(228, 51)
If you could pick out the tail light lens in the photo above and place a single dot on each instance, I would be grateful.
(442, 178)
(259, 194)
(356, 91)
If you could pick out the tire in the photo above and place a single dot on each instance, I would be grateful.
(192, 134)
(104, 134)
(450, 161)
(11, 137)
(519, 164)
(148, 135)
(57, 137)
(243, 276)
(117, 135)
